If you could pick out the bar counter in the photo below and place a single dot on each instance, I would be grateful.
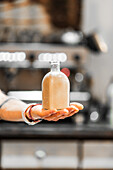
(57, 131)
(88, 138)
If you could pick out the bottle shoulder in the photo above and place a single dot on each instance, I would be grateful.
(55, 74)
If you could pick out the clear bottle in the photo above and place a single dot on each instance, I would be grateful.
(55, 88)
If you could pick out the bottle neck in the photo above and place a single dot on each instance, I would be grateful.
(55, 66)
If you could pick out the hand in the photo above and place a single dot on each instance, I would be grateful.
(55, 115)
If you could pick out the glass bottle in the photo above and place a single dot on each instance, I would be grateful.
(55, 88)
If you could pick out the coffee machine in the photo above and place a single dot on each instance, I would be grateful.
(43, 28)
(21, 73)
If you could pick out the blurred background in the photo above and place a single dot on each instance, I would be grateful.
(83, 30)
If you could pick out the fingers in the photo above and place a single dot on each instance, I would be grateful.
(78, 105)
(54, 115)
(39, 111)
(72, 108)
(57, 115)
(48, 112)
(62, 114)
(71, 111)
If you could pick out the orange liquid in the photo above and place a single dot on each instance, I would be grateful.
(55, 91)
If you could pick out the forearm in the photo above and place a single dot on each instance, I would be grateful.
(12, 110)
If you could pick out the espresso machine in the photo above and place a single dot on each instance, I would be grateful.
(47, 30)
(22, 70)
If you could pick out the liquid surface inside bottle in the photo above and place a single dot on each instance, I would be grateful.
(55, 89)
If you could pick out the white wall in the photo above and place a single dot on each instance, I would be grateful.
(98, 14)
